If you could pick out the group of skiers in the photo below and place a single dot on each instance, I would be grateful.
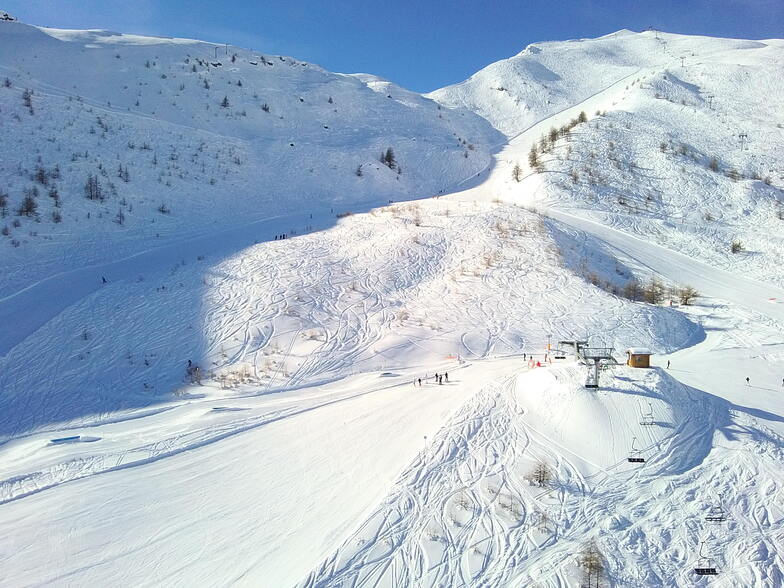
(437, 379)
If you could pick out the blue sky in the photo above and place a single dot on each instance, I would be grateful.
(419, 44)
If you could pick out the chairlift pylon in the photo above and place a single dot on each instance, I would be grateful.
(635, 456)
(705, 565)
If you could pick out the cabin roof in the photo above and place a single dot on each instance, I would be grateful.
(639, 351)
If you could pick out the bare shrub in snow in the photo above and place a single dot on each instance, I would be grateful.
(736, 246)
(542, 474)
(654, 291)
(687, 294)
(592, 563)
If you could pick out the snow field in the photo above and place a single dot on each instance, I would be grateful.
(463, 513)
(305, 455)
(404, 286)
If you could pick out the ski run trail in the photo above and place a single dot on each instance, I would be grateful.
(308, 453)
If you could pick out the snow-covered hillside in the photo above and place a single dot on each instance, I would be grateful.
(227, 358)
(185, 136)
(684, 141)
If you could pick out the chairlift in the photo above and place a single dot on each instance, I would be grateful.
(647, 417)
(635, 456)
(716, 513)
(705, 565)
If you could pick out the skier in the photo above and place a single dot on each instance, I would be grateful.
(103, 279)
(668, 364)
(420, 382)
(440, 380)
(747, 381)
(436, 377)
(446, 376)
(525, 357)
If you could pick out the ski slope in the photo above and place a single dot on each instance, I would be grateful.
(307, 453)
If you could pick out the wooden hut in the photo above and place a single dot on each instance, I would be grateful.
(638, 357)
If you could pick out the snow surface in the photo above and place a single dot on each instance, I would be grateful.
(307, 455)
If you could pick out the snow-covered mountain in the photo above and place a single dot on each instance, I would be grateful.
(226, 358)
(183, 136)
(684, 139)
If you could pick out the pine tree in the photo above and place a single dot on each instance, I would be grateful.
(389, 158)
(92, 188)
(3, 204)
(27, 99)
(517, 172)
(583, 117)
(533, 158)
(225, 102)
(28, 206)
(40, 176)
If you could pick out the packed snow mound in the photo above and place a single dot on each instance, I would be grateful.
(183, 135)
(546, 78)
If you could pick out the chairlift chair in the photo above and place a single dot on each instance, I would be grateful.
(647, 417)
(716, 513)
(705, 565)
(635, 456)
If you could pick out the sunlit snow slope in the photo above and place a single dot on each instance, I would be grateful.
(684, 141)
(315, 445)
(186, 136)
